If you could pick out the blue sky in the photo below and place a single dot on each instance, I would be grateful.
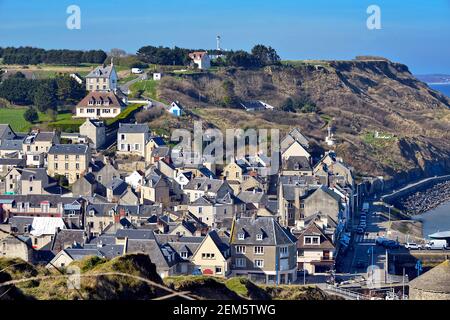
(414, 32)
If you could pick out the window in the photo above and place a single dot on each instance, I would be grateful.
(137, 146)
(66, 166)
(184, 254)
(56, 166)
(259, 237)
(218, 270)
(237, 174)
(56, 157)
(307, 240)
(283, 250)
(315, 240)
(259, 250)
(66, 157)
(31, 189)
(122, 137)
(77, 157)
(241, 236)
(81, 110)
(122, 147)
(259, 263)
(208, 256)
(240, 263)
(240, 249)
(99, 178)
(77, 166)
(224, 211)
(200, 209)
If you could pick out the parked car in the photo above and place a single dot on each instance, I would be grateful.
(413, 246)
(436, 245)
(391, 244)
(380, 241)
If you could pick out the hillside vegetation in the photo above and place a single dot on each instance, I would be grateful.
(357, 98)
(96, 283)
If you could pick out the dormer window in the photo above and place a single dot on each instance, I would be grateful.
(241, 236)
(259, 236)
(91, 102)
(91, 213)
(184, 254)
(312, 240)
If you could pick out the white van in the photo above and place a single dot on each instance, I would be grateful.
(436, 245)
(136, 70)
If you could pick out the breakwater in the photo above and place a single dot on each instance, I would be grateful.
(421, 196)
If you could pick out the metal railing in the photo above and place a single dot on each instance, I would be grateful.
(349, 294)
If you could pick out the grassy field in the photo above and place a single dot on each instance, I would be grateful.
(149, 88)
(14, 117)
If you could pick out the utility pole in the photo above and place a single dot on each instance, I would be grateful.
(386, 266)
(403, 289)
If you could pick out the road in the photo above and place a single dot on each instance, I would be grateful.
(126, 86)
(364, 255)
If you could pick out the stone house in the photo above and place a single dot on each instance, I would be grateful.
(102, 78)
(315, 250)
(95, 131)
(99, 105)
(16, 247)
(212, 188)
(263, 250)
(213, 256)
(132, 139)
(155, 189)
(69, 160)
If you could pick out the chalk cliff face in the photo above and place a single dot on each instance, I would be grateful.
(358, 98)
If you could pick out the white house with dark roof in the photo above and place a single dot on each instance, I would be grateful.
(99, 105)
(132, 138)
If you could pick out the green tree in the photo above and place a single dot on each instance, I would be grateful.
(45, 96)
(266, 56)
(31, 115)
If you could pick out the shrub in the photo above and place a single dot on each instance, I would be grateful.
(31, 115)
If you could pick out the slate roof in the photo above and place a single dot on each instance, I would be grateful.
(118, 186)
(80, 253)
(101, 209)
(80, 149)
(3, 129)
(204, 184)
(45, 136)
(108, 99)
(313, 230)
(159, 141)
(12, 145)
(161, 152)
(13, 162)
(133, 234)
(133, 128)
(273, 233)
(67, 237)
(252, 197)
(297, 163)
(101, 72)
(35, 200)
